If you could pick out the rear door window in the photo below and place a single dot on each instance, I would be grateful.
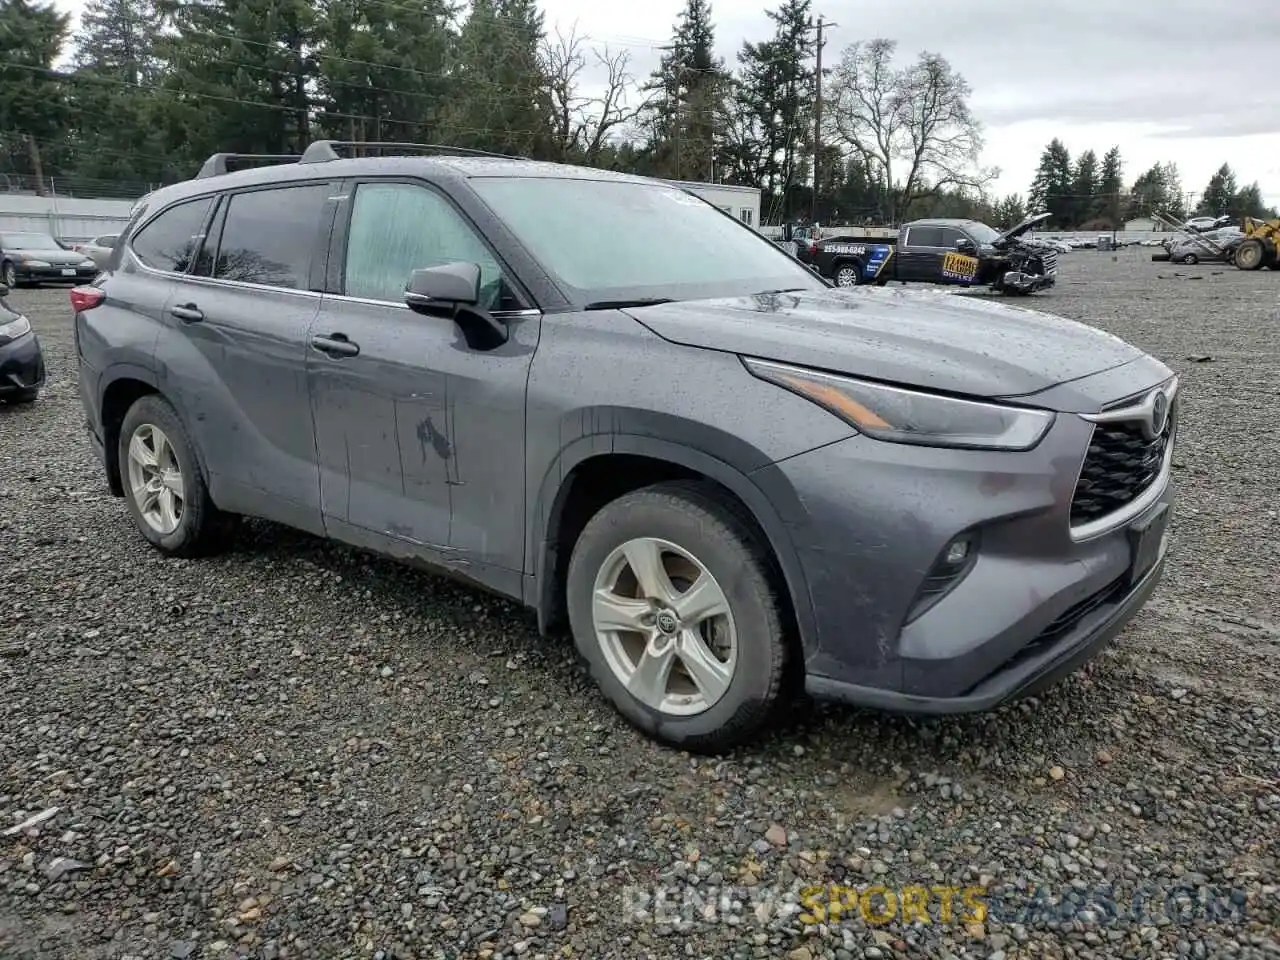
(169, 242)
(269, 236)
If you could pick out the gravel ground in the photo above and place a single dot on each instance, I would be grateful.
(295, 750)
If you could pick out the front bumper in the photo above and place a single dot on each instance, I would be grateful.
(26, 273)
(869, 521)
(1028, 282)
(21, 364)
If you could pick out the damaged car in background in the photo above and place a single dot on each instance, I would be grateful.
(964, 253)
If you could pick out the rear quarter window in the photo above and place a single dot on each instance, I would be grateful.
(170, 241)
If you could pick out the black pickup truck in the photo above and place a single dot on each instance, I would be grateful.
(955, 252)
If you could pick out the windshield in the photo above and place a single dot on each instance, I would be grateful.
(30, 241)
(608, 240)
(983, 234)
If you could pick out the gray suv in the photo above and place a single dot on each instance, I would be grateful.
(599, 395)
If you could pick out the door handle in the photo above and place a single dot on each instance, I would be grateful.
(336, 345)
(187, 312)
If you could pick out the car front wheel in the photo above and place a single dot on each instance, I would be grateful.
(9, 276)
(163, 485)
(672, 604)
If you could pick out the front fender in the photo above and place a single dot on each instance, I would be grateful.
(542, 547)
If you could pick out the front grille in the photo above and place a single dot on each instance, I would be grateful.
(1120, 466)
(1049, 260)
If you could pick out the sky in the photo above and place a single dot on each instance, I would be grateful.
(1164, 80)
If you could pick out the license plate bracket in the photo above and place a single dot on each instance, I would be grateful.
(1145, 539)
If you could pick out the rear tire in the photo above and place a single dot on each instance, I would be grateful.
(163, 485)
(716, 676)
(848, 274)
(9, 276)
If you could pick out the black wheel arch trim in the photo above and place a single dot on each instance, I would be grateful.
(542, 550)
(129, 371)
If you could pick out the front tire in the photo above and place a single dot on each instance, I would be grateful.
(9, 275)
(1251, 254)
(672, 604)
(1190, 259)
(163, 485)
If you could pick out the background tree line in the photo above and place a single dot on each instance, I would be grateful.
(1089, 194)
(147, 89)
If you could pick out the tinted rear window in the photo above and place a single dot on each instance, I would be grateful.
(268, 236)
(170, 240)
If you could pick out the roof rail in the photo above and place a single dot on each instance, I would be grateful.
(217, 165)
(321, 151)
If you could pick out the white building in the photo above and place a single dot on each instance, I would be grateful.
(742, 202)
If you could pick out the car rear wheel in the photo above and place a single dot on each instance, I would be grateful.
(9, 275)
(672, 605)
(848, 274)
(163, 485)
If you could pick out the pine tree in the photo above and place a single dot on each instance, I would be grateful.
(1248, 202)
(1158, 191)
(775, 94)
(382, 69)
(501, 97)
(116, 66)
(1111, 185)
(687, 99)
(1220, 193)
(238, 76)
(1087, 182)
(1053, 184)
(33, 100)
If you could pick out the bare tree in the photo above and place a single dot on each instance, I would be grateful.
(583, 123)
(912, 127)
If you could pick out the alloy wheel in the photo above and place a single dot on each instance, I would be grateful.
(664, 625)
(155, 479)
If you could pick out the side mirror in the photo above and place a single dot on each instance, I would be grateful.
(453, 290)
(965, 245)
(442, 289)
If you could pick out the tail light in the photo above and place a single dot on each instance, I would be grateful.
(86, 298)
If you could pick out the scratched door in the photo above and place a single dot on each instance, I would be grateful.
(419, 436)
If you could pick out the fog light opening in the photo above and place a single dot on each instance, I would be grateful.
(953, 563)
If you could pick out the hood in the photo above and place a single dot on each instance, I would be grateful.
(1014, 232)
(48, 256)
(932, 339)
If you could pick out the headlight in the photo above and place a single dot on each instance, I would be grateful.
(908, 416)
(37, 263)
(14, 329)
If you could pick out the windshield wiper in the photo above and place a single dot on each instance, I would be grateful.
(769, 293)
(622, 304)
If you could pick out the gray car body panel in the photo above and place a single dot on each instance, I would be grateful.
(924, 338)
(430, 451)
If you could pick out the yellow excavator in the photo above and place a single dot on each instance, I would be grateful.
(1260, 246)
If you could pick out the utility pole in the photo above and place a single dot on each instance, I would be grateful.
(817, 118)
